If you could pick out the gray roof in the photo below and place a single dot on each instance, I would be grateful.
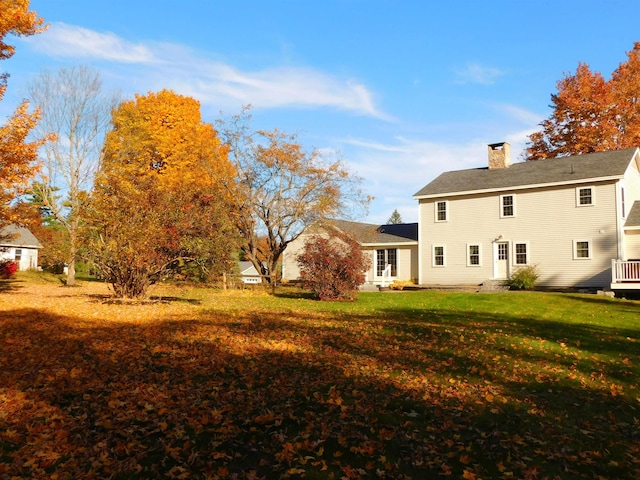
(369, 233)
(247, 268)
(15, 236)
(397, 232)
(577, 168)
(633, 219)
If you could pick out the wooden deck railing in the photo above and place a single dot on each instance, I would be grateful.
(625, 271)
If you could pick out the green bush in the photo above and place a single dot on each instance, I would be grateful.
(525, 278)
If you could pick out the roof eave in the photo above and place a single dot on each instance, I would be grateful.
(17, 245)
(386, 244)
(518, 187)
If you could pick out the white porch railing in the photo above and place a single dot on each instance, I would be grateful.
(386, 277)
(625, 271)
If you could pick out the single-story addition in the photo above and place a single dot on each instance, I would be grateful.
(577, 219)
(20, 245)
(393, 249)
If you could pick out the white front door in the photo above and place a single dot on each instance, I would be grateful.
(501, 260)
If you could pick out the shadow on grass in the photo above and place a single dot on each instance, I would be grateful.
(293, 292)
(272, 395)
(633, 305)
(10, 285)
(110, 299)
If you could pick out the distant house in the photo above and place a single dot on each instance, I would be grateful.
(393, 249)
(20, 245)
(576, 218)
(248, 273)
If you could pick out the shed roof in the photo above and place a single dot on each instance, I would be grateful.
(247, 269)
(16, 236)
(563, 170)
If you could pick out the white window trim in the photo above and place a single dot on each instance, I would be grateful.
(514, 255)
(575, 249)
(474, 244)
(513, 196)
(593, 196)
(433, 256)
(446, 206)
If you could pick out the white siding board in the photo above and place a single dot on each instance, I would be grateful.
(407, 256)
(547, 218)
(290, 268)
(632, 239)
(631, 185)
(28, 257)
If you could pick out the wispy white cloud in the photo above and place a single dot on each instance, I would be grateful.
(212, 82)
(520, 114)
(476, 73)
(70, 41)
(396, 170)
(281, 86)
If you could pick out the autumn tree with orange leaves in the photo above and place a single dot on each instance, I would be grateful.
(592, 114)
(17, 155)
(156, 206)
(281, 188)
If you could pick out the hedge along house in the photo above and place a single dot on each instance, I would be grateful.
(20, 245)
(393, 249)
(575, 218)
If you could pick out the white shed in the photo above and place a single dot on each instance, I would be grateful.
(20, 245)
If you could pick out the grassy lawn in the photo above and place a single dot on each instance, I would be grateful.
(200, 384)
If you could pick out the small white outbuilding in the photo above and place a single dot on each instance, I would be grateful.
(20, 245)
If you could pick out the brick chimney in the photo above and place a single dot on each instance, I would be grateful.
(499, 155)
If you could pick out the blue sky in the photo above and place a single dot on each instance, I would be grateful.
(402, 89)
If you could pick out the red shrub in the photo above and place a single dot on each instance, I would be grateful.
(333, 268)
(7, 268)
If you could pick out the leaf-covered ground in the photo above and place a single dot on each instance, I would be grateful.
(198, 384)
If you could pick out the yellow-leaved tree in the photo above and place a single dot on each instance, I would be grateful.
(17, 155)
(155, 207)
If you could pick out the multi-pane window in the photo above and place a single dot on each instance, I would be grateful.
(441, 211)
(584, 196)
(521, 254)
(385, 258)
(507, 206)
(473, 255)
(393, 261)
(18, 255)
(438, 256)
(582, 249)
(503, 251)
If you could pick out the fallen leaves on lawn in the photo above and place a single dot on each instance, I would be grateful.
(96, 389)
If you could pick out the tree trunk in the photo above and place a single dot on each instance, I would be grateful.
(71, 264)
(71, 274)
